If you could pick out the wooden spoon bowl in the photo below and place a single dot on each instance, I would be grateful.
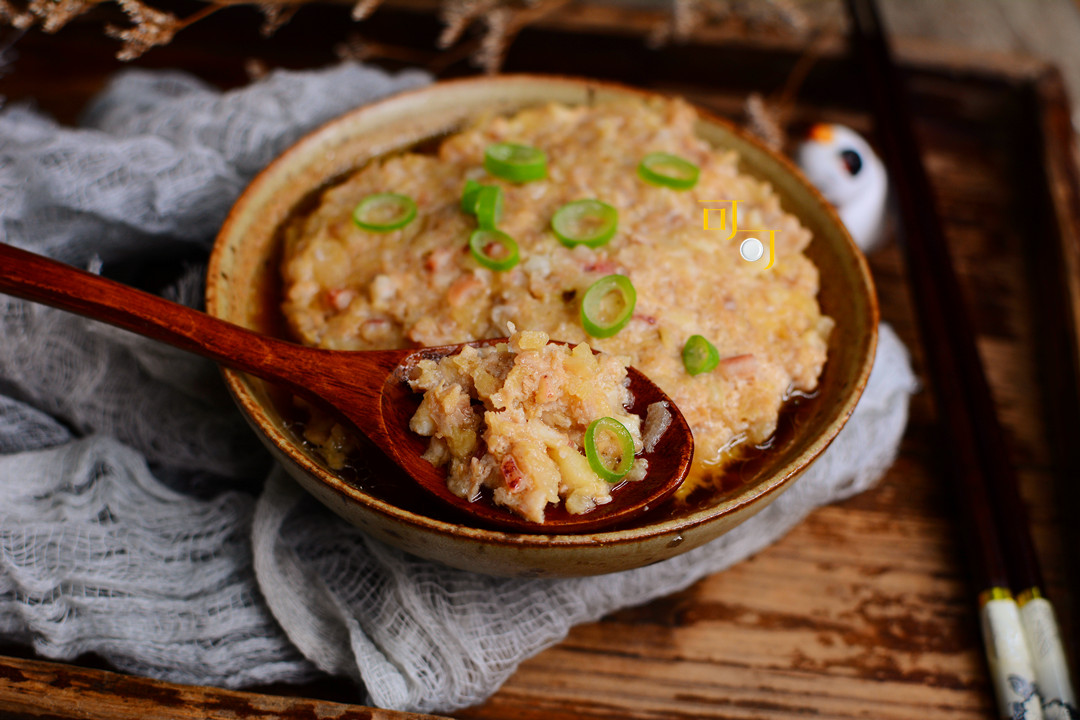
(368, 390)
(669, 461)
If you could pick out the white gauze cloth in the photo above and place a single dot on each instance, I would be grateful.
(140, 519)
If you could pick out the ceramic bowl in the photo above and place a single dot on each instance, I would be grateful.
(242, 287)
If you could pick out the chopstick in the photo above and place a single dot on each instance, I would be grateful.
(1024, 649)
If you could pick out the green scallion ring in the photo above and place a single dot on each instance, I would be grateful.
(488, 206)
(516, 163)
(668, 170)
(585, 222)
(468, 196)
(626, 449)
(484, 243)
(699, 355)
(383, 212)
(607, 305)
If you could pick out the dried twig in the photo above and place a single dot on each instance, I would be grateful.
(55, 14)
(764, 122)
(688, 16)
(502, 29)
(768, 118)
(274, 16)
(255, 69)
(499, 21)
(496, 40)
(359, 48)
(457, 15)
(17, 18)
(363, 8)
(774, 13)
(150, 27)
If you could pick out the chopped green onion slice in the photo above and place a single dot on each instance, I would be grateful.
(608, 305)
(617, 431)
(494, 249)
(668, 170)
(585, 222)
(383, 212)
(488, 206)
(468, 196)
(516, 163)
(699, 355)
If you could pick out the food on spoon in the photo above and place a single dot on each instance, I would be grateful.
(533, 421)
(628, 265)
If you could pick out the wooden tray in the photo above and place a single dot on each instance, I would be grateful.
(864, 609)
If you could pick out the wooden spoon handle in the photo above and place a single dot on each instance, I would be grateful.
(40, 279)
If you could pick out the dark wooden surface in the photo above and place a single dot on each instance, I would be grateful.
(865, 609)
(35, 689)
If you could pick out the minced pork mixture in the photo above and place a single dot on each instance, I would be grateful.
(351, 287)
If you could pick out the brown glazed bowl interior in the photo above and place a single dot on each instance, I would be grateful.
(243, 287)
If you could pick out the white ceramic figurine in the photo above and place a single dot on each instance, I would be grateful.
(850, 175)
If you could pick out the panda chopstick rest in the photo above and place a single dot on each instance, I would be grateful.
(842, 165)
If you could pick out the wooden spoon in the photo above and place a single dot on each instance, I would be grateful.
(368, 389)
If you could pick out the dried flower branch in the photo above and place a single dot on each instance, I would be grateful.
(360, 49)
(354, 48)
(55, 14)
(274, 16)
(496, 39)
(458, 15)
(500, 21)
(764, 121)
(150, 27)
(503, 27)
(768, 118)
(774, 13)
(687, 16)
(255, 69)
(363, 8)
(17, 18)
